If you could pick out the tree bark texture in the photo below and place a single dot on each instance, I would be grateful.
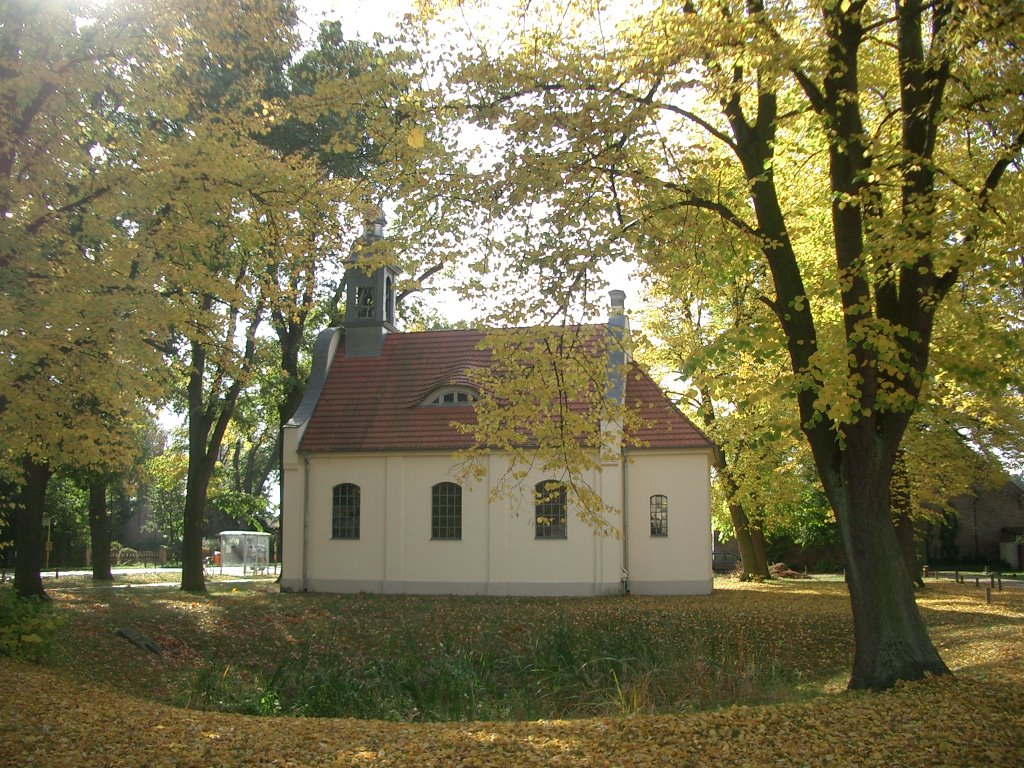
(901, 510)
(28, 536)
(193, 578)
(99, 530)
(207, 425)
(750, 538)
(891, 640)
(908, 547)
(757, 542)
(200, 470)
(751, 542)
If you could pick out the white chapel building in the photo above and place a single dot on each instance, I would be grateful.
(372, 502)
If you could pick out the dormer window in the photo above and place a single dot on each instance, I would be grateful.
(451, 396)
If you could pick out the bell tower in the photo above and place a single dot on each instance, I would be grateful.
(369, 298)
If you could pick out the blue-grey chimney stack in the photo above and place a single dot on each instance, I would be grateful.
(618, 341)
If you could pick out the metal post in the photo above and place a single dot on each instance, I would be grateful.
(49, 541)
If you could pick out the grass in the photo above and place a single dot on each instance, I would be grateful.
(753, 675)
(248, 649)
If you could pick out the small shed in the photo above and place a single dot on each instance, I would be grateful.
(249, 549)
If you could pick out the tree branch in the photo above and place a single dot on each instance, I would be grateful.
(695, 201)
(36, 225)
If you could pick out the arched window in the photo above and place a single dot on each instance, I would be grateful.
(659, 515)
(345, 512)
(364, 302)
(549, 512)
(451, 396)
(389, 294)
(446, 511)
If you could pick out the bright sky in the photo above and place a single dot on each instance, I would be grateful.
(360, 18)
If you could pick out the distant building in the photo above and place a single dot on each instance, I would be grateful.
(987, 527)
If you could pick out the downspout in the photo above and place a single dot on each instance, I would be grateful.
(305, 522)
(625, 525)
(617, 362)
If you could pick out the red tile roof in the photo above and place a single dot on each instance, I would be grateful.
(662, 425)
(375, 403)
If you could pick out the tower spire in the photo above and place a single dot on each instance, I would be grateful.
(369, 296)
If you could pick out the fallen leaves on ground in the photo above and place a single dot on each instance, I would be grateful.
(940, 722)
(50, 718)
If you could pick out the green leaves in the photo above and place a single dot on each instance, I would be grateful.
(27, 626)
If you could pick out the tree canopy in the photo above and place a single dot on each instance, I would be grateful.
(859, 159)
(825, 196)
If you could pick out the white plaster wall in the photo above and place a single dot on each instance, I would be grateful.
(361, 560)
(424, 560)
(679, 563)
(581, 563)
(499, 552)
(293, 483)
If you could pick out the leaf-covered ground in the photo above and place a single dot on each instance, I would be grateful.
(746, 643)
(64, 714)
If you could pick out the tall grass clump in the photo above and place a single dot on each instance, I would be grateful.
(556, 668)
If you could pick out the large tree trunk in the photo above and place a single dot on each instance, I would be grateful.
(200, 469)
(891, 639)
(751, 543)
(757, 542)
(28, 534)
(749, 537)
(99, 530)
(892, 643)
(193, 578)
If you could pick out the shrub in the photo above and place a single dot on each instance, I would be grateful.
(127, 556)
(26, 626)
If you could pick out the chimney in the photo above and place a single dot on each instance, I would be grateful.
(618, 301)
(618, 346)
